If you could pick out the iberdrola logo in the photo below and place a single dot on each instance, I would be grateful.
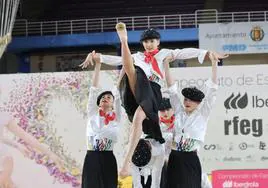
(236, 101)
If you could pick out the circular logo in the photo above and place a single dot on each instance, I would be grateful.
(243, 146)
(256, 33)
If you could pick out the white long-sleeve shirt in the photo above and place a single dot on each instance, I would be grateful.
(186, 53)
(102, 137)
(168, 135)
(153, 168)
(190, 129)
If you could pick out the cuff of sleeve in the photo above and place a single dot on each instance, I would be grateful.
(115, 92)
(202, 55)
(210, 84)
(93, 89)
(173, 89)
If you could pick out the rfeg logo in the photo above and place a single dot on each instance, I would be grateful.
(243, 126)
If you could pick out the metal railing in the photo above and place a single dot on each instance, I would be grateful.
(27, 28)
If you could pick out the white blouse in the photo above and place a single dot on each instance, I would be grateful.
(186, 53)
(101, 137)
(153, 168)
(190, 129)
(168, 135)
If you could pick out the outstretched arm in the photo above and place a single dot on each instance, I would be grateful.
(188, 53)
(210, 90)
(106, 59)
(94, 90)
(173, 89)
(169, 79)
(96, 74)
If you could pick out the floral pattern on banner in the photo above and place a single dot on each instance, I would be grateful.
(30, 102)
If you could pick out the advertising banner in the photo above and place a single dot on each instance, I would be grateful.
(52, 107)
(240, 178)
(234, 38)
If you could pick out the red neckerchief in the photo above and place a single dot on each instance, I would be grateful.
(107, 116)
(169, 121)
(149, 58)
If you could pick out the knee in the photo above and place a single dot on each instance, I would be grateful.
(139, 116)
(141, 113)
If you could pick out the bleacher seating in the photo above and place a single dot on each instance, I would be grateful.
(79, 9)
(249, 5)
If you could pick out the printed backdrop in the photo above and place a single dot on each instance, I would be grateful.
(52, 108)
(234, 38)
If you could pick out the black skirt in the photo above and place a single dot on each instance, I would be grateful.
(184, 170)
(148, 96)
(99, 170)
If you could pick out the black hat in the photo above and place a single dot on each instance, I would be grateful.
(193, 94)
(142, 154)
(165, 104)
(149, 34)
(103, 93)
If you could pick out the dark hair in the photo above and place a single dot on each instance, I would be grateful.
(149, 34)
(165, 104)
(142, 154)
(102, 94)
